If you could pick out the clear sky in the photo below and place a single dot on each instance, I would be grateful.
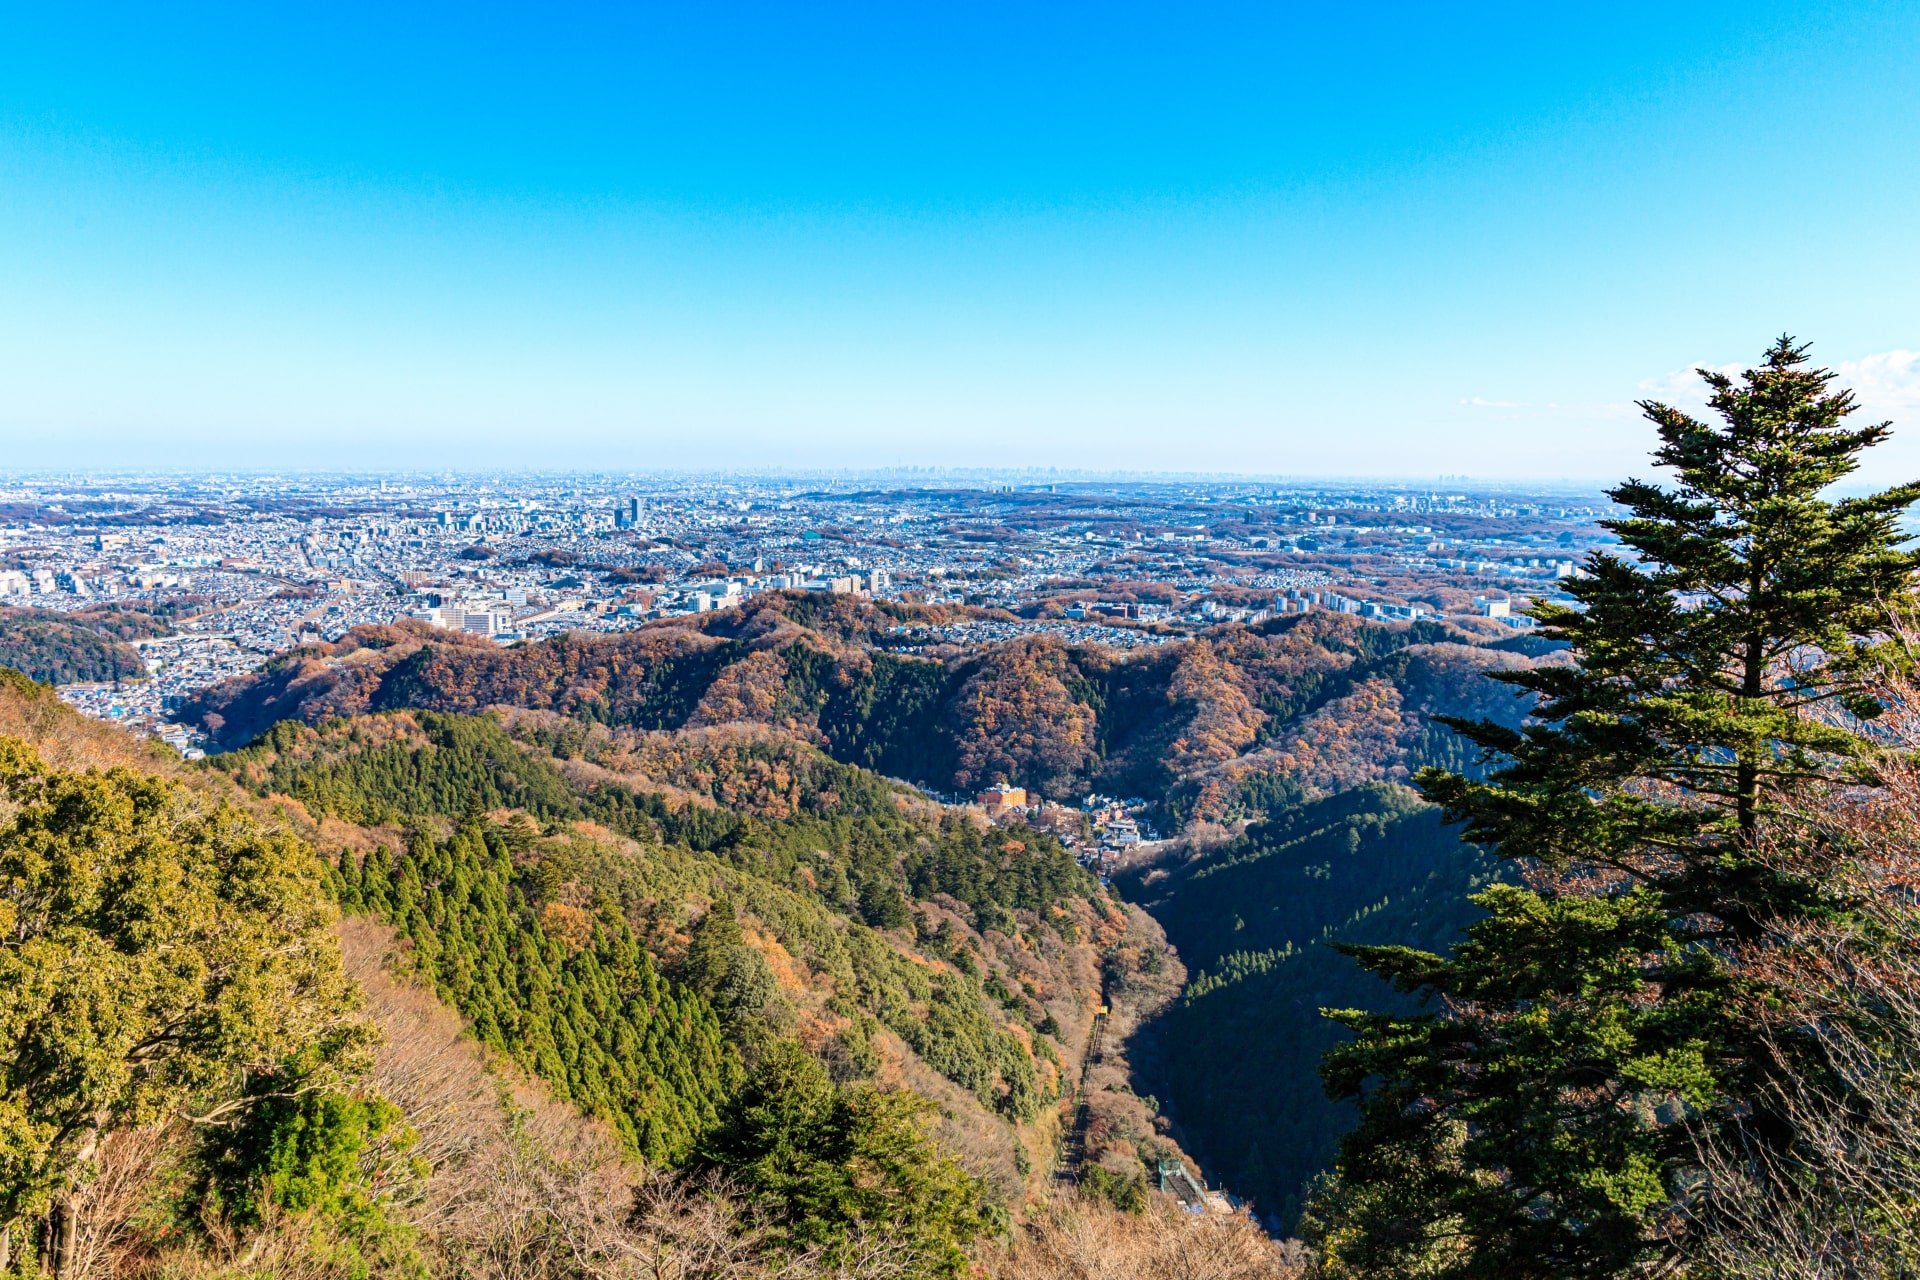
(1336, 239)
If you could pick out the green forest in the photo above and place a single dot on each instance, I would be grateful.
(824, 882)
(584, 1009)
(63, 648)
(1235, 1059)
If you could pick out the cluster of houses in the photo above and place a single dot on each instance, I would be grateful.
(1099, 832)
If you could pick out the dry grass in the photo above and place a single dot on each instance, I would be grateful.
(1079, 1239)
(106, 1242)
(65, 739)
(1842, 1022)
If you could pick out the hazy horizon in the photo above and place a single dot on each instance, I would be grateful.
(1027, 475)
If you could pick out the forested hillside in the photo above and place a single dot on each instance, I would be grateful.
(884, 916)
(1214, 728)
(874, 914)
(1236, 1058)
(60, 648)
(754, 738)
(856, 1015)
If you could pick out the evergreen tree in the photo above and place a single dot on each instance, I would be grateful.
(588, 1014)
(710, 951)
(1543, 1123)
(338, 1157)
(157, 951)
(834, 1164)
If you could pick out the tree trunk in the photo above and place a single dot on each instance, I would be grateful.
(1747, 782)
(63, 1222)
(63, 1236)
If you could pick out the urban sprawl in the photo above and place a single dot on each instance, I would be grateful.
(247, 567)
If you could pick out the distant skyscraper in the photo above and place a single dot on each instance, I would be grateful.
(627, 515)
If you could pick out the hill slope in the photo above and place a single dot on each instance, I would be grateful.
(623, 976)
(59, 648)
(747, 737)
(1236, 1058)
(893, 939)
(1218, 727)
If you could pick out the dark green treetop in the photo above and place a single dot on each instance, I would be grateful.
(1542, 1122)
(844, 1170)
(1735, 651)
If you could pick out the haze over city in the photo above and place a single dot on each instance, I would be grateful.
(1234, 238)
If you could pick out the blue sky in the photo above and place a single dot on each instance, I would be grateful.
(1328, 239)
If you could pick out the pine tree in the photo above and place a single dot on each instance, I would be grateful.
(596, 1023)
(1543, 1122)
(832, 1165)
(710, 950)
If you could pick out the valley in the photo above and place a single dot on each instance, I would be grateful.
(782, 760)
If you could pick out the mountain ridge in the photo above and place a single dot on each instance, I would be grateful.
(1214, 728)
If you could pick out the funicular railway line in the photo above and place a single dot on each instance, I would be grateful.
(1073, 1141)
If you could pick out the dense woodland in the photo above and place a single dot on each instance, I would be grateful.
(826, 881)
(74, 648)
(1235, 1060)
(647, 734)
(569, 993)
(1213, 729)
(695, 735)
(763, 999)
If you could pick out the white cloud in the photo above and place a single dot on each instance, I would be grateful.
(1683, 388)
(1887, 385)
